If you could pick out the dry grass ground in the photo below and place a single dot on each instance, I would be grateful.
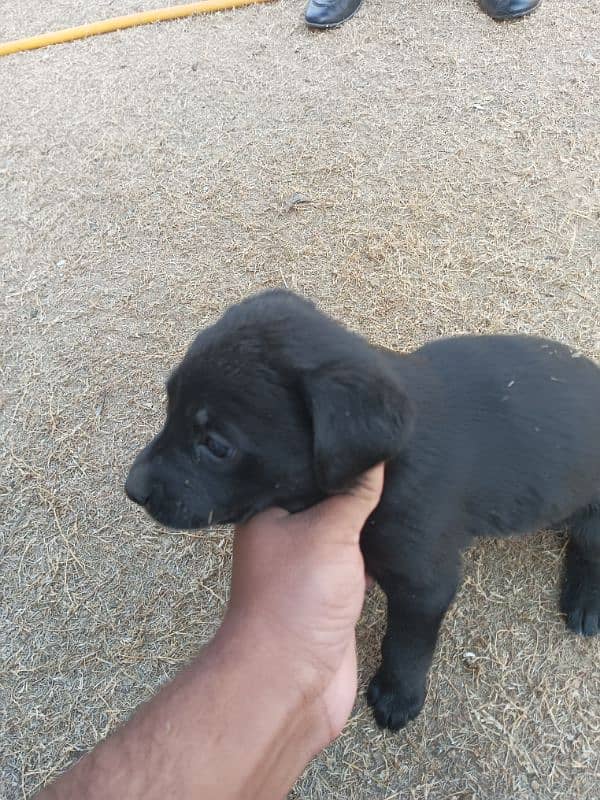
(451, 166)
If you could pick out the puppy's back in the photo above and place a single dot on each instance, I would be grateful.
(515, 424)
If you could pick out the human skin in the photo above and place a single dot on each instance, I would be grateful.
(275, 685)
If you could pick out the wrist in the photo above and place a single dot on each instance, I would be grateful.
(288, 692)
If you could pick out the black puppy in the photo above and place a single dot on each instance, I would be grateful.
(277, 404)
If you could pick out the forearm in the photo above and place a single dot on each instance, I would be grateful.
(226, 728)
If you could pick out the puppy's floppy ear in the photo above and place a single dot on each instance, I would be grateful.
(360, 417)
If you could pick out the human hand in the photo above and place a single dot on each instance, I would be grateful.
(297, 591)
(274, 686)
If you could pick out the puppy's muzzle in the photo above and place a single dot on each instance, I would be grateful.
(138, 486)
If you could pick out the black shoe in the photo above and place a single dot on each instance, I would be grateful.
(509, 9)
(330, 13)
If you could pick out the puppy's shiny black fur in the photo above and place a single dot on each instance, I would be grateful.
(277, 404)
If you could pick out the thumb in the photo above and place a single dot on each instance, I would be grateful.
(368, 487)
(347, 512)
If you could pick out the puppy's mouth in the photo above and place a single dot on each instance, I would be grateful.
(180, 518)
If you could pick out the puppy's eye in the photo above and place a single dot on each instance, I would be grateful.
(218, 447)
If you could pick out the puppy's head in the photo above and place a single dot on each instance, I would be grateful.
(275, 404)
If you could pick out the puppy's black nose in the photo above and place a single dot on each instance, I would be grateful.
(137, 485)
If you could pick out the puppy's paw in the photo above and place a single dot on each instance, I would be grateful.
(580, 603)
(580, 598)
(393, 706)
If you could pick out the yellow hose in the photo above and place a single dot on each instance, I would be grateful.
(118, 23)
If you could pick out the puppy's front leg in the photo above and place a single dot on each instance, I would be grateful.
(415, 612)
